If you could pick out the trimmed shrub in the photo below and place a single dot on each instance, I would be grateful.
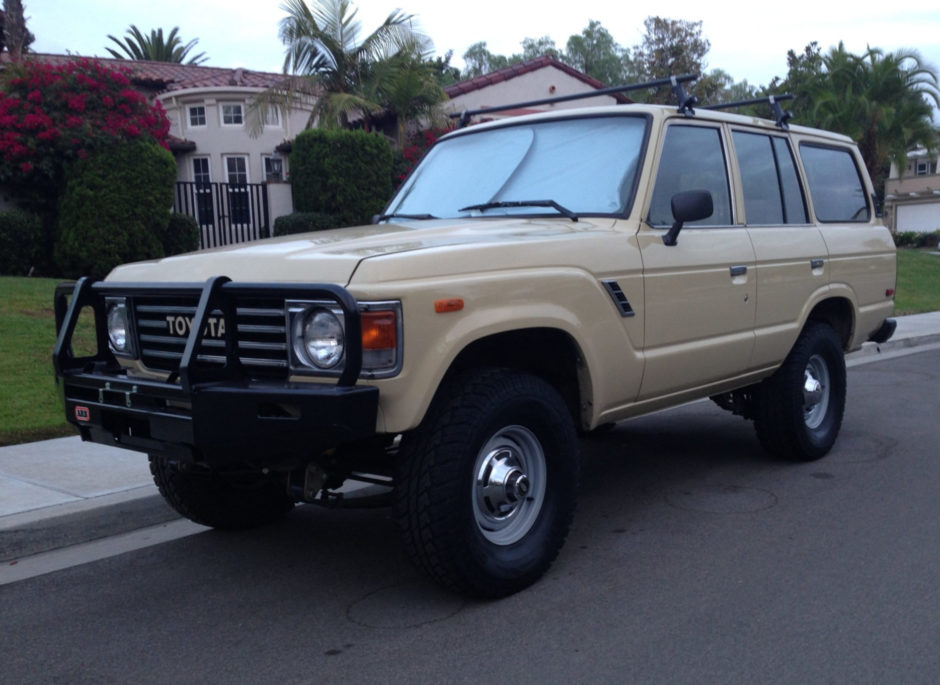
(21, 242)
(344, 174)
(916, 239)
(115, 209)
(182, 235)
(303, 222)
(927, 239)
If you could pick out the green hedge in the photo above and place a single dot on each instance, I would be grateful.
(916, 239)
(303, 222)
(21, 241)
(114, 209)
(182, 235)
(344, 174)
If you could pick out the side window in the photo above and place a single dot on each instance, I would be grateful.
(834, 184)
(771, 187)
(794, 203)
(692, 159)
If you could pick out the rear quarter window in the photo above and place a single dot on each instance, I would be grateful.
(835, 184)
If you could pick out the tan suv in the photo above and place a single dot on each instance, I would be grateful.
(534, 278)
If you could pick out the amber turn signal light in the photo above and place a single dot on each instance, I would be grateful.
(452, 305)
(379, 331)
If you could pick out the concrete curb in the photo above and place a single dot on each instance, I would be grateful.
(31, 533)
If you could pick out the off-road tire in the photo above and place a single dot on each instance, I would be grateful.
(480, 423)
(228, 502)
(793, 422)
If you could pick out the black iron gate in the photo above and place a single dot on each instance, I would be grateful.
(226, 212)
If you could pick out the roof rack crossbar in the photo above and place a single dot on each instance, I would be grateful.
(673, 81)
(783, 116)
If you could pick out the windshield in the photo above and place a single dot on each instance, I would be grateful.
(586, 165)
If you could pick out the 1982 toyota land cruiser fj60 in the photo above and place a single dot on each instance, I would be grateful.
(534, 278)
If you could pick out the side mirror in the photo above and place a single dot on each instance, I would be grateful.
(691, 205)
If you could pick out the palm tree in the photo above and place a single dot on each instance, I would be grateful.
(137, 46)
(405, 86)
(355, 76)
(883, 101)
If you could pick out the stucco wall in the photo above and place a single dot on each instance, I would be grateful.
(535, 85)
(215, 141)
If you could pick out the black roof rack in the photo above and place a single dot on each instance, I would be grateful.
(686, 102)
(783, 116)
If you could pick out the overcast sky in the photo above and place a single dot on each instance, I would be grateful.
(748, 40)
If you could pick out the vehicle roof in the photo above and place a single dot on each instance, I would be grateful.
(656, 111)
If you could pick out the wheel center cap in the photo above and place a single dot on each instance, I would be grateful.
(517, 486)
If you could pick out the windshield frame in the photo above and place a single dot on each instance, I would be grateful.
(393, 205)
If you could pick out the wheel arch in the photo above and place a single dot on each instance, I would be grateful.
(838, 312)
(549, 353)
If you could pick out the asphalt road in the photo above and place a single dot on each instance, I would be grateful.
(694, 558)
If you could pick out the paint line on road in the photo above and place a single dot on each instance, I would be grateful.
(68, 557)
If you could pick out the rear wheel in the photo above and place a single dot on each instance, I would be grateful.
(800, 408)
(230, 501)
(488, 483)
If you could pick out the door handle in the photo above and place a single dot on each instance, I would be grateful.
(738, 271)
(816, 264)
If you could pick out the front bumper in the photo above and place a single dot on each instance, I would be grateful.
(208, 413)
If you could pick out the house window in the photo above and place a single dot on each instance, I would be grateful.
(197, 116)
(273, 169)
(201, 170)
(232, 114)
(239, 202)
(202, 192)
(924, 167)
(272, 116)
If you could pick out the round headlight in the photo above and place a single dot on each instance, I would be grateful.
(117, 327)
(323, 339)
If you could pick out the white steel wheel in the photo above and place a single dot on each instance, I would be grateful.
(509, 487)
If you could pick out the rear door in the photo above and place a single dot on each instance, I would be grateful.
(790, 251)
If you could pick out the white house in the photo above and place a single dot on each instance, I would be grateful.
(536, 79)
(912, 199)
(235, 184)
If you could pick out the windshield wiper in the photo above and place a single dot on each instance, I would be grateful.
(416, 217)
(522, 203)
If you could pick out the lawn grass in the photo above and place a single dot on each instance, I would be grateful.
(30, 408)
(918, 282)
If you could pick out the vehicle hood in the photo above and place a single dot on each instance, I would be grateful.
(334, 256)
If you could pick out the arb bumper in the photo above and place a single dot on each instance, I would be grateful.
(212, 408)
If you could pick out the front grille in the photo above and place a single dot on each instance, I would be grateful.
(163, 325)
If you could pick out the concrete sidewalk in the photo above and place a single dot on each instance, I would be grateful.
(60, 492)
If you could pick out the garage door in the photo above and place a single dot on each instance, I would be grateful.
(922, 218)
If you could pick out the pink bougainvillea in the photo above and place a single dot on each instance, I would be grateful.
(50, 114)
(418, 143)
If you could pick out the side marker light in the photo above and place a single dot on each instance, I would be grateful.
(444, 306)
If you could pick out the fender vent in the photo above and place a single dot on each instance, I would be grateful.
(617, 295)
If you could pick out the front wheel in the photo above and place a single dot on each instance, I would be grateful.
(229, 501)
(488, 483)
(800, 407)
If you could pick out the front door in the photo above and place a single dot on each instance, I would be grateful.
(700, 293)
(239, 203)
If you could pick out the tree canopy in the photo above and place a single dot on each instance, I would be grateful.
(882, 100)
(357, 76)
(13, 32)
(155, 48)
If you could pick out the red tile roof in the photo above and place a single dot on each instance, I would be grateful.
(514, 70)
(168, 76)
